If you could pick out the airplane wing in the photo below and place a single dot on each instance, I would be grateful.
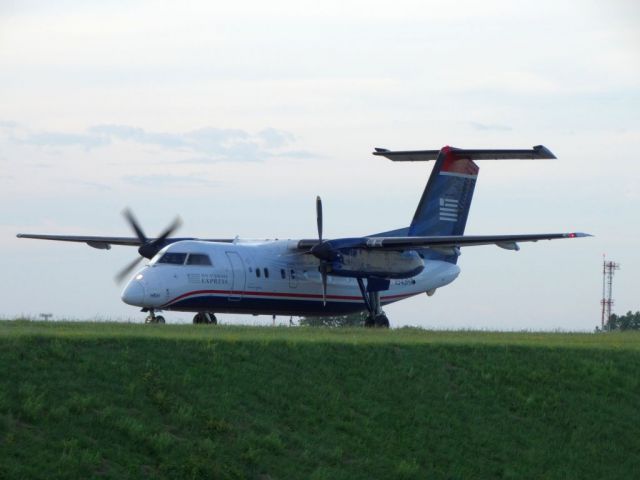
(505, 241)
(104, 243)
(407, 243)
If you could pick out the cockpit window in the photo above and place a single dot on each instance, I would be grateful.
(173, 258)
(198, 259)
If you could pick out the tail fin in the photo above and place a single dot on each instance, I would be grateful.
(446, 200)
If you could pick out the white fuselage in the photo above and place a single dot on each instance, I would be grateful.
(260, 277)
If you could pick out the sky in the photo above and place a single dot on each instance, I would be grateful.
(235, 115)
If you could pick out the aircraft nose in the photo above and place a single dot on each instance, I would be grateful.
(133, 294)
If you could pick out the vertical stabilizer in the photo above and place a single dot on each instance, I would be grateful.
(446, 200)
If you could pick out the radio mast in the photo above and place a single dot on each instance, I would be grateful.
(608, 270)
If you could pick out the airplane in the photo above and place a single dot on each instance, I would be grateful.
(318, 277)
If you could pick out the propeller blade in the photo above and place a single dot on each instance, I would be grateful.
(127, 270)
(169, 230)
(319, 216)
(149, 249)
(135, 225)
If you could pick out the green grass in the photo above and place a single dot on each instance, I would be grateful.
(104, 400)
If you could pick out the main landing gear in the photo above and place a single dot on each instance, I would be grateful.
(153, 318)
(205, 317)
(376, 317)
(380, 320)
(200, 317)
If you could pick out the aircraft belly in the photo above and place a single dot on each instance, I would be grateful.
(262, 306)
(287, 302)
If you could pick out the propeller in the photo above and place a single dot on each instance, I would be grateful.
(320, 252)
(319, 217)
(148, 248)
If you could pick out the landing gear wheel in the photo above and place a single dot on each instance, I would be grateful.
(152, 318)
(205, 317)
(371, 298)
(382, 321)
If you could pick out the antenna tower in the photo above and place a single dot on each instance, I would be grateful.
(608, 270)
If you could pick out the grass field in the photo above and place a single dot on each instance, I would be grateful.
(106, 400)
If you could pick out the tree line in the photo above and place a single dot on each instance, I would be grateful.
(628, 321)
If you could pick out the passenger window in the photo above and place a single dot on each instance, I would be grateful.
(258, 272)
(173, 258)
(266, 272)
(198, 259)
(283, 274)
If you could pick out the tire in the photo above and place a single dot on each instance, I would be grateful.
(369, 322)
(205, 317)
(382, 321)
(160, 319)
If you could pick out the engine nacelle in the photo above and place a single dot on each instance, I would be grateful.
(360, 262)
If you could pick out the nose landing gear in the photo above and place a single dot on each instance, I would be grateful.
(153, 318)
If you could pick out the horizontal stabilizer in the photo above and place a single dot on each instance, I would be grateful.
(539, 152)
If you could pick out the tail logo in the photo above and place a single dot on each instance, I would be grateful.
(448, 210)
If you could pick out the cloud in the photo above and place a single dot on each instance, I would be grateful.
(21, 135)
(490, 127)
(157, 180)
(298, 154)
(55, 139)
(139, 135)
(92, 185)
(276, 138)
(208, 143)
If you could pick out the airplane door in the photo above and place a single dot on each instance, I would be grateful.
(238, 276)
